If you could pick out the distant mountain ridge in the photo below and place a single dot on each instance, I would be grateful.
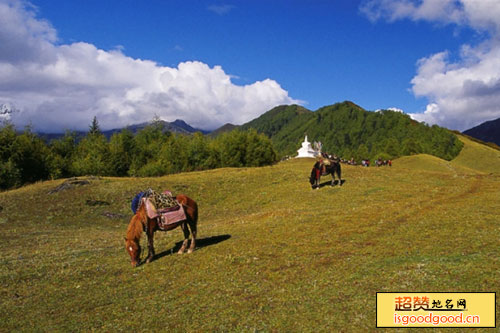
(176, 126)
(228, 127)
(488, 131)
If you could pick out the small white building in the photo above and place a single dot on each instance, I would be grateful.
(306, 150)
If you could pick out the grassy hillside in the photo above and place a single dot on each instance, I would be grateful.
(424, 162)
(478, 156)
(273, 254)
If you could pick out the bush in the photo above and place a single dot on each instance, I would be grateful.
(92, 157)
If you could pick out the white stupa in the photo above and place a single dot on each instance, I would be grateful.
(306, 150)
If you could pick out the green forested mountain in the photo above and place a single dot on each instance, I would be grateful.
(348, 130)
(280, 117)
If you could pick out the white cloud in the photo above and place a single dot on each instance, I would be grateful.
(462, 94)
(58, 87)
(479, 14)
(24, 38)
(465, 92)
(220, 9)
(429, 115)
(394, 109)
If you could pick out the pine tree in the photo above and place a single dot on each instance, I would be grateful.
(94, 128)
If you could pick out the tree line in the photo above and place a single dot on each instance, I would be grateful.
(27, 158)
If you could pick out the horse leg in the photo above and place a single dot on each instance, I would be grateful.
(192, 226)
(185, 230)
(339, 172)
(151, 249)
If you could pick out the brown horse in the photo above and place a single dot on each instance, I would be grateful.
(141, 222)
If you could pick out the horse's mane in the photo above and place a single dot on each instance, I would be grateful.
(135, 227)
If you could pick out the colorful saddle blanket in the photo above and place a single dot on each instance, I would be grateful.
(163, 200)
(164, 207)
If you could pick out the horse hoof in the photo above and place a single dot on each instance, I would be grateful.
(180, 252)
(190, 251)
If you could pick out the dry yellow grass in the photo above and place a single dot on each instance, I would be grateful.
(478, 157)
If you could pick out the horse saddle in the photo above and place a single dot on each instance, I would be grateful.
(167, 217)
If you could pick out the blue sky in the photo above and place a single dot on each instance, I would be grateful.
(376, 53)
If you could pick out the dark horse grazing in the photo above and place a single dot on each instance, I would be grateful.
(320, 169)
(141, 222)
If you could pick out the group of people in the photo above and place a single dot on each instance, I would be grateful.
(366, 162)
(381, 162)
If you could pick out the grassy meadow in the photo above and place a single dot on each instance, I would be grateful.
(273, 254)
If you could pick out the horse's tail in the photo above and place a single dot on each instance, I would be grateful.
(195, 217)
